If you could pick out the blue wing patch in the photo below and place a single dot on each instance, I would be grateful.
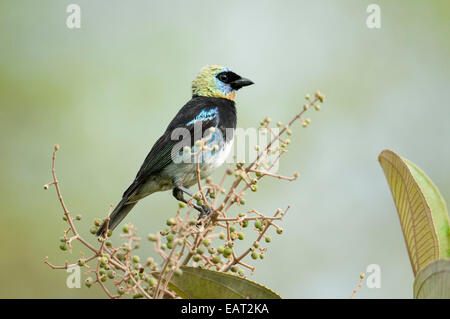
(204, 115)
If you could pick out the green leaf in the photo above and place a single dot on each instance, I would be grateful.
(196, 283)
(421, 209)
(433, 282)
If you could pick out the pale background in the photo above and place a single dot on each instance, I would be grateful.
(107, 91)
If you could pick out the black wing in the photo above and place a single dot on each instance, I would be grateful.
(160, 154)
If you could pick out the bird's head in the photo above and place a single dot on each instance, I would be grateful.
(218, 81)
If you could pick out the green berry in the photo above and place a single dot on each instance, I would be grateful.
(258, 224)
(279, 231)
(136, 259)
(181, 204)
(215, 259)
(149, 261)
(63, 247)
(93, 230)
(171, 222)
(255, 255)
(88, 282)
(200, 251)
(268, 239)
(227, 252)
(206, 242)
(120, 290)
(178, 272)
(152, 237)
(240, 236)
(220, 249)
(126, 228)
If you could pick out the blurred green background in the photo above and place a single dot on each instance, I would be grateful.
(107, 91)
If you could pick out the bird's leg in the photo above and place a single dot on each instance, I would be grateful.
(178, 194)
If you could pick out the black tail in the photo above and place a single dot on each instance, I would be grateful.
(122, 209)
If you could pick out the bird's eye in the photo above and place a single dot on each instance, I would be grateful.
(223, 77)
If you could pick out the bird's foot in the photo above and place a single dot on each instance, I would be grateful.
(204, 211)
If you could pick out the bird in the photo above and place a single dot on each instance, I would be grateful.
(210, 112)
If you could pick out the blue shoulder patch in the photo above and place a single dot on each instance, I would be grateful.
(204, 115)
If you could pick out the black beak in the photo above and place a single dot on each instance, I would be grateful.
(237, 84)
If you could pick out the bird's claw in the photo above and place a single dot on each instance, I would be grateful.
(205, 211)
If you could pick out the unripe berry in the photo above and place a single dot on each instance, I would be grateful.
(206, 242)
(171, 222)
(88, 282)
(178, 272)
(227, 252)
